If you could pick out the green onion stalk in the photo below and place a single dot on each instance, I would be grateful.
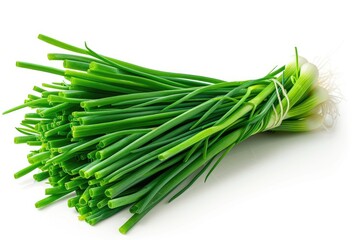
(113, 135)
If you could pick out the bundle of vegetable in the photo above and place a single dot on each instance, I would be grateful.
(114, 134)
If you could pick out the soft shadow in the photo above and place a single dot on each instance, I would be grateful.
(256, 150)
(252, 153)
(27, 182)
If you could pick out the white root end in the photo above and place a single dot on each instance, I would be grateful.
(328, 109)
(301, 60)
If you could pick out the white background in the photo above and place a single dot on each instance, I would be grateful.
(303, 186)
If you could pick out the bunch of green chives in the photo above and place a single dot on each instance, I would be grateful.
(114, 135)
